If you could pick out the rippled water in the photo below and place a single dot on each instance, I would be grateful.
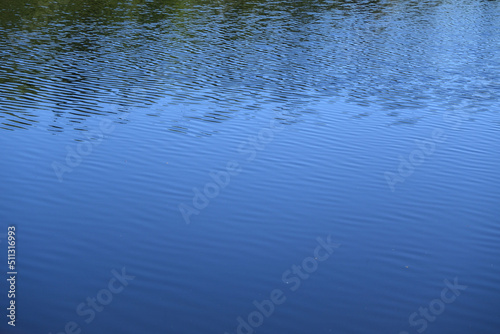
(205, 148)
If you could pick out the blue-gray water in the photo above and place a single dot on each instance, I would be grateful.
(203, 147)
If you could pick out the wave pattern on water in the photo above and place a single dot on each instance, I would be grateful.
(64, 68)
(191, 85)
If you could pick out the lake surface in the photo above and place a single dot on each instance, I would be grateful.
(251, 167)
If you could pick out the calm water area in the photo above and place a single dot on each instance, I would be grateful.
(239, 167)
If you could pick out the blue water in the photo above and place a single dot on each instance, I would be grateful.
(251, 167)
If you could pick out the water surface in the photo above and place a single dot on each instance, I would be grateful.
(375, 122)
